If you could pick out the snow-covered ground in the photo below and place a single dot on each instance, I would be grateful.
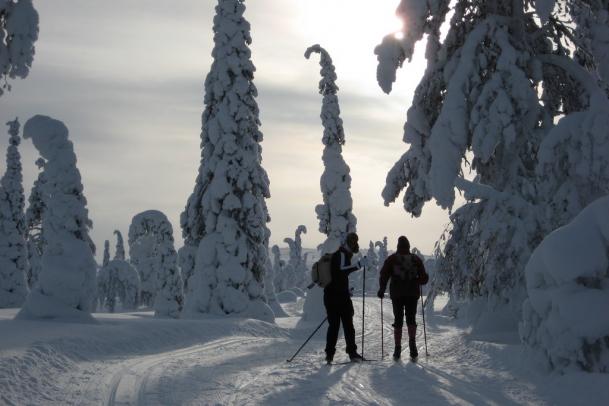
(135, 359)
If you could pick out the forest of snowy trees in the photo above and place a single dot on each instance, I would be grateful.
(512, 114)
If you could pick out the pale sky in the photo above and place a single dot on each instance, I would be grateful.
(127, 79)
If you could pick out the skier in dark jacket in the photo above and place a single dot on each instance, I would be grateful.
(337, 299)
(406, 272)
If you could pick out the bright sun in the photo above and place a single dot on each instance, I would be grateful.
(349, 30)
(361, 22)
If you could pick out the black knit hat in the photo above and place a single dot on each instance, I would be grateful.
(403, 244)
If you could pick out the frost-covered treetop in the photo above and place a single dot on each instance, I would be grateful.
(120, 246)
(150, 222)
(230, 120)
(18, 33)
(106, 257)
(330, 113)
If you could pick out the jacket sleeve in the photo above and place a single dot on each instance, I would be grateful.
(345, 264)
(385, 274)
(423, 276)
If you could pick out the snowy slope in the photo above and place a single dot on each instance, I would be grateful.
(136, 359)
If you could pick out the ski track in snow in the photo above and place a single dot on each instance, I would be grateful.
(248, 367)
(129, 385)
(246, 370)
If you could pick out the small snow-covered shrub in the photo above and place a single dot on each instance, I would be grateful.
(565, 316)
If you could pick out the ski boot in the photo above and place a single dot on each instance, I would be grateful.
(412, 344)
(397, 352)
(329, 357)
(355, 357)
(397, 337)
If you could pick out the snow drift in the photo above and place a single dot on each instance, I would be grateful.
(567, 281)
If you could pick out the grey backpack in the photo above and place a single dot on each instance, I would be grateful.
(321, 271)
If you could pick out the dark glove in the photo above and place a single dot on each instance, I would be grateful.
(380, 294)
(423, 278)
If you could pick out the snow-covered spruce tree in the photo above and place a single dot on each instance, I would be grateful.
(118, 282)
(66, 284)
(269, 290)
(383, 252)
(13, 253)
(228, 207)
(106, 257)
(120, 246)
(18, 33)
(152, 252)
(372, 270)
(191, 221)
(567, 281)
(335, 215)
(278, 267)
(493, 89)
(143, 258)
(591, 31)
(296, 261)
(33, 223)
(106, 290)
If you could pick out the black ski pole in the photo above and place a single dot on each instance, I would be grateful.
(363, 308)
(305, 343)
(423, 311)
(382, 333)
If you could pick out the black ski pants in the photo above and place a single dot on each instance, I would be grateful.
(405, 305)
(339, 309)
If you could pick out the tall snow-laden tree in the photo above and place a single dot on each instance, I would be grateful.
(491, 94)
(33, 222)
(120, 246)
(106, 257)
(13, 252)
(335, 215)
(152, 252)
(18, 33)
(227, 210)
(66, 284)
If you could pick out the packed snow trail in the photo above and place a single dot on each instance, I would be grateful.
(242, 370)
(133, 359)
